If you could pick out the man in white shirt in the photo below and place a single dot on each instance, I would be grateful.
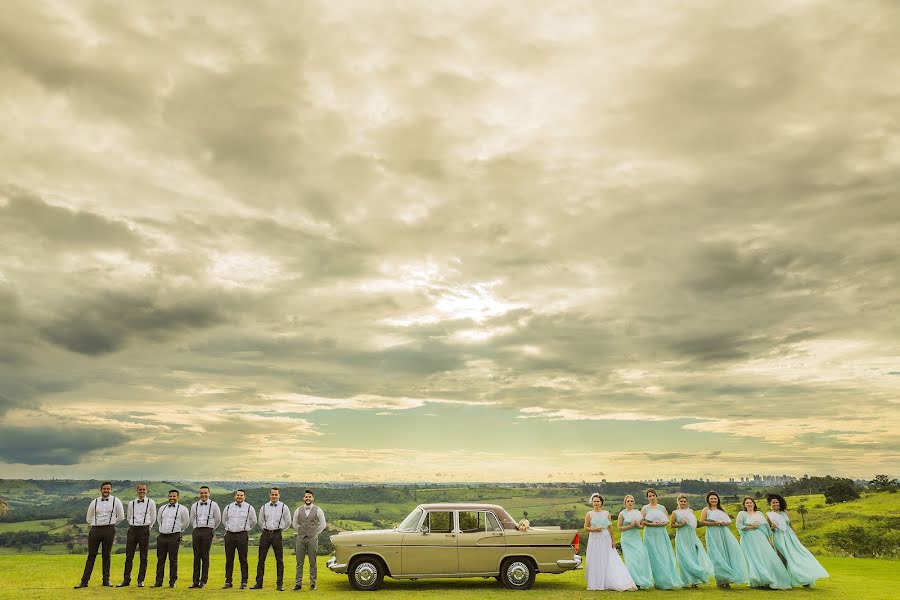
(239, 518)
(274, 517)
(309, 521)
(205, 517)
(103, 514)
(140, 516)
(173, 518)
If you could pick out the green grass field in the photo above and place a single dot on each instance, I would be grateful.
(52, 577)
(42, 525)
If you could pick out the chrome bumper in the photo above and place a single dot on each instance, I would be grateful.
(335, 566)
(573, 563)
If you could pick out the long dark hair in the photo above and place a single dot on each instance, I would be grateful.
(751, 500)
(782, 504)
(718, 497)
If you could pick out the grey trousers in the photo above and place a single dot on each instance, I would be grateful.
(306, 548)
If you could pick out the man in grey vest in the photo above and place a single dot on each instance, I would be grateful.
(309, 521)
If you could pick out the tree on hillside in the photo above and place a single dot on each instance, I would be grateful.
(802, 511)
(841, 490)
(883, 483)
(4, 507)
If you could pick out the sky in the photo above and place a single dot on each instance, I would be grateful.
(449, 241)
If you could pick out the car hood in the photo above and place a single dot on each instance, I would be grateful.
(367, 536)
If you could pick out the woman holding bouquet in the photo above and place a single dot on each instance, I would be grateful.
(723, 550)
(693, 562)
(763, 565)
(603, 567)
(659, 548)
(633, 550)
(802, 566)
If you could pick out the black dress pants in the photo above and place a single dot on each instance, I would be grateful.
(138, 538)
(236, 541)
(270, 538)
(201, 540)
(104, 535)
(167, 545)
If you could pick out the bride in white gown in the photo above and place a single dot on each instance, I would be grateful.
(603, 567)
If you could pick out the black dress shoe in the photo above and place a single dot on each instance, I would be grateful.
(124, 584)
(157, 584)
(312, 587)
(280, 587)
(243, 585)
(256, 586)
(106, 584)
(193, 585)
(80, 585)
(140, 584)
(172, 584)
(298, 587)
(202, 584)
(226, 586)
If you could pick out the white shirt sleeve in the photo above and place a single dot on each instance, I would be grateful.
(322, 523)
(216, 515)
(285, 522)
(92, 507)
(120, 511)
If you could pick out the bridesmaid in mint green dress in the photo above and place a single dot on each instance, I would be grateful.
(802, 566)
(633, 550)
(693, 562)
(763, 564)
(659, 548)
(724, 551)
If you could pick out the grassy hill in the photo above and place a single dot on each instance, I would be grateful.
(840, 529)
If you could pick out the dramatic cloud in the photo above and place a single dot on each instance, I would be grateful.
(416, 234)
(56, 446)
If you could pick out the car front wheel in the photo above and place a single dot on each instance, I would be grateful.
(366, 574)
(518, 574)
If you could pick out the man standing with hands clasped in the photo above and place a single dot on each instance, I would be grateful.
(103, 514)
(274, 517)
(173, 519)
(309, 521)
(141, 516)
(239, 518)
(205, 517)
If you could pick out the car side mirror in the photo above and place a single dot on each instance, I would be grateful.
(424, 529)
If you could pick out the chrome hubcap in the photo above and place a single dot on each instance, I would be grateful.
(517, 573)
(365, 574)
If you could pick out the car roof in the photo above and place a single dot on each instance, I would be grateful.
(459, 506)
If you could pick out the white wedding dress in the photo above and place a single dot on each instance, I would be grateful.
(603, 566)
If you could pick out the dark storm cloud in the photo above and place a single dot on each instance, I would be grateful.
(102, 325)
(26, 216)
(55, 446)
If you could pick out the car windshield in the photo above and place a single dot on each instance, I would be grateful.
(412, 521)
(505, 520)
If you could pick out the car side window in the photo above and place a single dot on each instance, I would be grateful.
(471, 522)
(492, 523)
(440, 522)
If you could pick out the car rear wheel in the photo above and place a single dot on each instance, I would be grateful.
(518, 574)
(366, 574)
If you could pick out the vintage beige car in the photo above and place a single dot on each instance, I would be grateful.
(454, 540)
